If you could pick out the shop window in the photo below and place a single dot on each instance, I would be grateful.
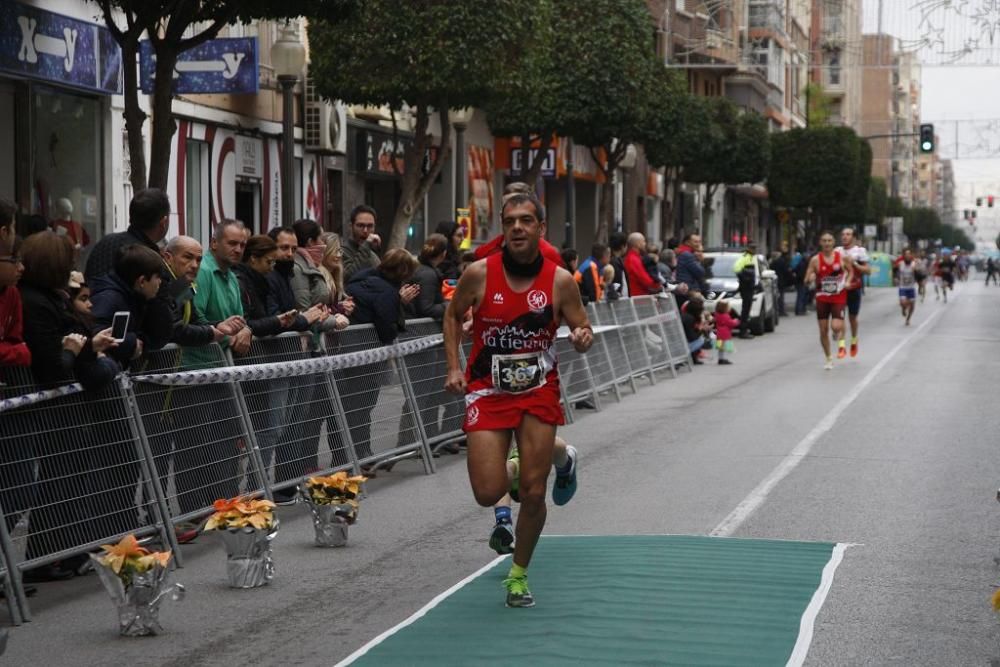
(196, 180)
(66, 164)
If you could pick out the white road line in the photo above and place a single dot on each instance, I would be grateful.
(420, 613)
(759, 495)
(808, 621)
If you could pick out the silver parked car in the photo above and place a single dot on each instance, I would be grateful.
(724, 285)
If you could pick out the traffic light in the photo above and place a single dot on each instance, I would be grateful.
(973, 215)
(989, 201)
(965, 214)
(927, 138)
(979, 201)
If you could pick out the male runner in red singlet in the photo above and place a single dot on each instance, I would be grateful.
(832, 272)
(502, 532)
(511, 385)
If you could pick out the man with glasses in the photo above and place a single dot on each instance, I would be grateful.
(361, 246)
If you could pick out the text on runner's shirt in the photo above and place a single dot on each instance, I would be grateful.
(515, 338)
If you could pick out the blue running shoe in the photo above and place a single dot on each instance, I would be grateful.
(565, 486)
(502, 538)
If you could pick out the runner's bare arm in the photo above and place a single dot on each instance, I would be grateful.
(849, 268)
(572, 312)
(810, 278)
(468, 294)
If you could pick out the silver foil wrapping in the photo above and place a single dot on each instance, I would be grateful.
(249, 562)
(138, 604)
(331, 522)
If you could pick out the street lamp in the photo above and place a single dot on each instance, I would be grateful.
(288, 57)
(459, 118)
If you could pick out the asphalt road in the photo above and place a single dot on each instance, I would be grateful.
(906, 472)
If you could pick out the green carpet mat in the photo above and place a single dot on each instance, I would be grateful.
(654, 600)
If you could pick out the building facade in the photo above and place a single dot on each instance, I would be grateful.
(60, 75)
(891, 117)
(837, 51)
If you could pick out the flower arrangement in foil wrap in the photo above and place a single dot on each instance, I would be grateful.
(127, 559)
(247, 527)
(135, 578)
(337, 489)
(241, 513)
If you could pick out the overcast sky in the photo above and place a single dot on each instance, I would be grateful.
(939, 29)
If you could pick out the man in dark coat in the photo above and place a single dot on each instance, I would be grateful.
(690, 270)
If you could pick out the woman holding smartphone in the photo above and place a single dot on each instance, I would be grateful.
(63, 352)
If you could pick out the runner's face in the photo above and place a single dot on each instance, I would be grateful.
(826, 243)
(522, 230)
(847, 237)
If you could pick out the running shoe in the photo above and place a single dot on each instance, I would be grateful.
(828, 366)
(565, 486)
(515, 481)
(854, 349)
(841, 352)
(502, 538)
(518, 594)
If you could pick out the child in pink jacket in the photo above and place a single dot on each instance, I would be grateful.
(724, 325)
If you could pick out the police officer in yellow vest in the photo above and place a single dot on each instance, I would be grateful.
(746, 273)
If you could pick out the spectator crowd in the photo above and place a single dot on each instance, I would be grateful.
(59, 325)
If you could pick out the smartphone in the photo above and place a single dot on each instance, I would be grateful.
(119, 325)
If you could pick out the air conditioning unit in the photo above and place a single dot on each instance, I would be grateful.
(325, 123)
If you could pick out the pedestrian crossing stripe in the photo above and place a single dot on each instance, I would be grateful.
(656, 599)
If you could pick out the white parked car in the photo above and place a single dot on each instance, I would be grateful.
(724, 285)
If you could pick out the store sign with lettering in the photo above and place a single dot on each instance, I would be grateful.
(375, 153)
(59, 49)
(225, 65)
(249, 157)
(548, 164)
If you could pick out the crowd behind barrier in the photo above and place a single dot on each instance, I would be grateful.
(191, 425)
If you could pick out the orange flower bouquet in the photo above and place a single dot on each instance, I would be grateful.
(247, 527)
(135, 578)
(333, 501)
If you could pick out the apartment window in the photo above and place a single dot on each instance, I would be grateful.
(833, 63)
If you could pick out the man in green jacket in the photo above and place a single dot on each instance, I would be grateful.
(218, 295)
(208, 432)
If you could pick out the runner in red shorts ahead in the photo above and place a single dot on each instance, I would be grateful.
(831, 272)
(511, 385)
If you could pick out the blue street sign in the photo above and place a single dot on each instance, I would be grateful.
(227, 65)
(41, 45)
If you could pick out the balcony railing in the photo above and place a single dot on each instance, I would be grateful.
(769, 16)
(776, 99)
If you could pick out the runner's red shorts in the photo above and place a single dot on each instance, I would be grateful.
(504, 412)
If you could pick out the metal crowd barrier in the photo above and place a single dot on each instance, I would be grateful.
(441, 413)
(673, 330)
(377, 402)
(79, 469)
(298, 425)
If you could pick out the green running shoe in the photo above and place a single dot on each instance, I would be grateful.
(518, 594)
(515, 482)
